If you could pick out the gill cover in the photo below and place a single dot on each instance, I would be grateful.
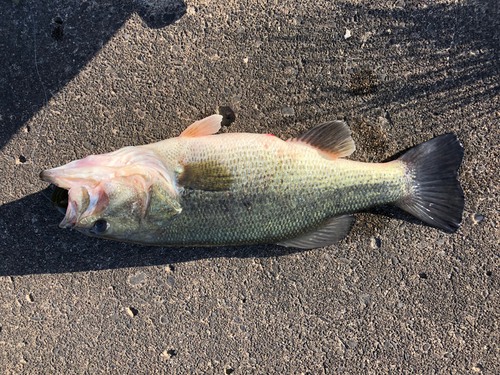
(161, 205)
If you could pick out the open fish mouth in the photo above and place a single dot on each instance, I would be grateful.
(71, 193)
(60, 199)
(71, 203)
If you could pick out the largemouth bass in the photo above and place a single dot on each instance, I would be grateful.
(202, 189)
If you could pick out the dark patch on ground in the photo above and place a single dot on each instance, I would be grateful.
(58, 30)
(370, 140)
(228, 115)
(364, 83)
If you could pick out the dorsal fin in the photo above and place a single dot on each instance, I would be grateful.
(207, 126)
(332, 137)
(332, 231)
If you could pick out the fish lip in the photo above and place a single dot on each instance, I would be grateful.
(66, 176)
(78, 204)
(84, 196)
(46, 175)
(56, 176)
(71, 217)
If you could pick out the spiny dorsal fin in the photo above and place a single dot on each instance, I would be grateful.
(333, 138)
(207, 126)
(329, 233)
(208, 175)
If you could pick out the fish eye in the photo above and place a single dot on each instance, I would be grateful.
(100, 226)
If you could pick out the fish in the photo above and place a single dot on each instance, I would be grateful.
(208, 189)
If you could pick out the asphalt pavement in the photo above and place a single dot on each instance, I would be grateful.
(396, 296)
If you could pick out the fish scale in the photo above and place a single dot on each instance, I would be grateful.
(291, 187)
(233, 189)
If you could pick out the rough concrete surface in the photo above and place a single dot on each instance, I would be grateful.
(396, 296)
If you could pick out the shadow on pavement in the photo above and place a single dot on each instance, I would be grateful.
(32, 243)
(67, 38)
(62, 38)
(454, 52)
(462, 37)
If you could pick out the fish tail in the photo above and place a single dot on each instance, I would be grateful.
(434, 194)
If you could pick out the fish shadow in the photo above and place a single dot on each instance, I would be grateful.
(32, 243)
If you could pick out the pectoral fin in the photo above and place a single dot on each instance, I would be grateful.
(208, 175)
(162, 206)
(331, 232)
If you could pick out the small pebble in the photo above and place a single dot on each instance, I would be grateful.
(288, 111)
(168, 354)
(138, 278)
(191, 10)
(352, 343)
(347, 34)
(441, 241)
(88, 145)
(375, 242)
(477, 368)
(365, 300)
(170, 281)
(478, 218)
(422, 245)
(131, 311)
(343, 261)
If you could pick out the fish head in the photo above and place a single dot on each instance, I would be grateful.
(125, 202)
(113, 209)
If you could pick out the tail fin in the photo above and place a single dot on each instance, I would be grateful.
(435, 195)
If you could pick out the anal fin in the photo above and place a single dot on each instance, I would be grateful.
(329, 233)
